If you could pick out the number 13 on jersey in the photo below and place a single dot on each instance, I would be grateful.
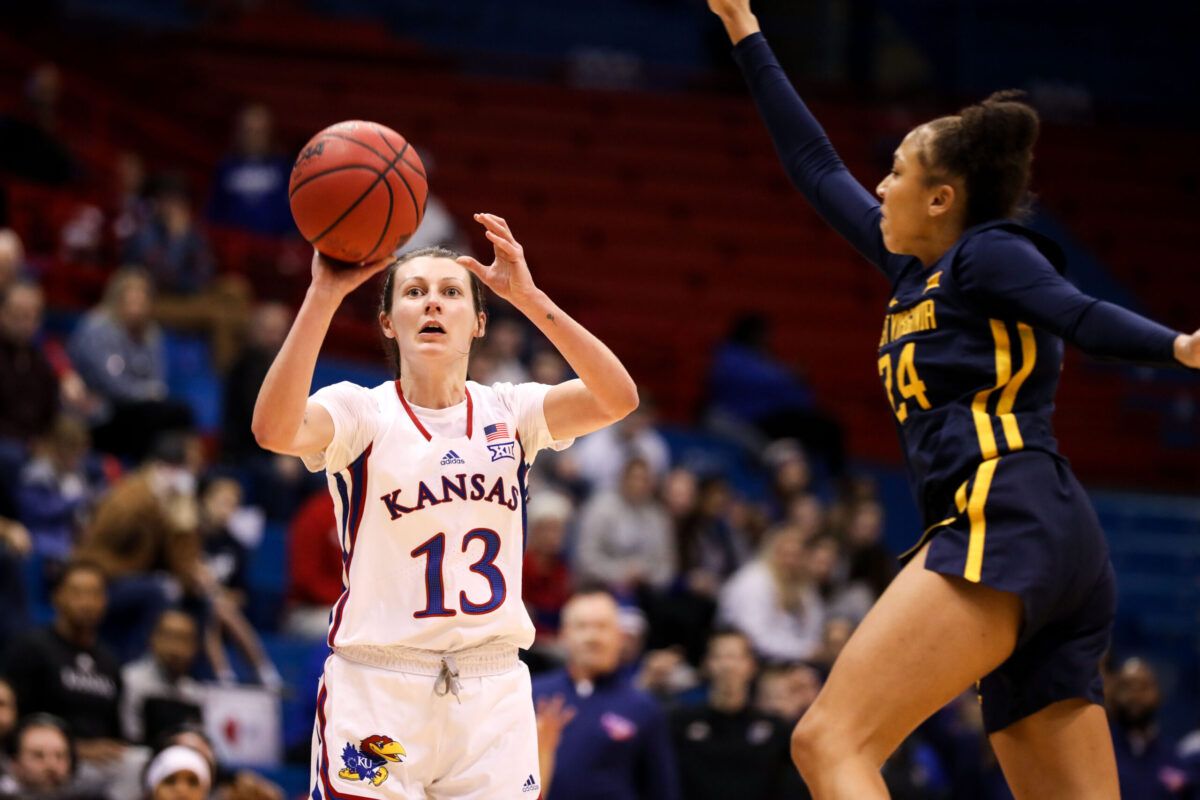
(434, 550)
(910, 386)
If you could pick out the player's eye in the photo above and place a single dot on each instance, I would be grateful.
(413, 291)
(453, 291)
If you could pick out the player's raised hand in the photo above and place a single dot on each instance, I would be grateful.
(508, 275)
(1187, 349)
(739, 20)
(340, 278)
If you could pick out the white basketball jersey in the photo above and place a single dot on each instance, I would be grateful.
(431, 514)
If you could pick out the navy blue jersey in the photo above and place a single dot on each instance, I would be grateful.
(971, 346)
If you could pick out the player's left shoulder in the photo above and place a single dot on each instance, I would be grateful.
(1009, 239)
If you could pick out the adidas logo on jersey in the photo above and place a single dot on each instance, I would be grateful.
(452, 457)
(530, 785)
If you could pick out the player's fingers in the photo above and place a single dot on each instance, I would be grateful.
(473, 266)
(509, 249)
(494, 223)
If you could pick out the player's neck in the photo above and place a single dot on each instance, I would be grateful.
(929, 249)
(433, 389)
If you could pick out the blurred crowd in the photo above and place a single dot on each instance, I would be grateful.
(684, 621)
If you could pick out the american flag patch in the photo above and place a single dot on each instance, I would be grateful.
(495, 432)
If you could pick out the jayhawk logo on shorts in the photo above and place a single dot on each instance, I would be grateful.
(367, 762)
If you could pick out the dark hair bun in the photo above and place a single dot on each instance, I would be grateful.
(990, 146)
(1001, 127)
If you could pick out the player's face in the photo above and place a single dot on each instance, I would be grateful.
(910, 203)
(433, 312)
(43, 761)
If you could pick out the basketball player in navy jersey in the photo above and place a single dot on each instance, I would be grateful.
(1010, 586)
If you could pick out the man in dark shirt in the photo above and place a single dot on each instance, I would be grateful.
(28, 384)
(616, 745)
(64, 670)
(726, 748)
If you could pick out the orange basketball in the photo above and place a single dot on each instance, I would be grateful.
(358, 191)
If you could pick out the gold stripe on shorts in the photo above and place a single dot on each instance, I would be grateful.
(975, 506)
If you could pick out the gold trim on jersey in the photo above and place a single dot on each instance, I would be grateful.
(1008, 385)
(1009, 396)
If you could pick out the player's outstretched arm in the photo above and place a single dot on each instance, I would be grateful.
(1006, 277)
(284, 421)
(807, 154)
(604, 392)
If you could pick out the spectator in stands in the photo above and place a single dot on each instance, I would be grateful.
(617, 745)
(159, 693)
(64, 669)
(1148, 766)
(870, 563)
(601, 457)
(188, 293)
(15, 545)
(227, 784)
(13, 267)
(8, 721)
(57, 489)
(277, 484)
(225, 556)
(250, 187)
(829, 572)
(773, 600)
(314, 567)
(30, 145)
(546, 579)
(268, 330)
(130, 208)
(625, 538)
(725, 747)
(120, 354)
(756, 397)
(791, 475)
(710, 550)
(787, 690)
(178, 773)
(143, 535)
(42, 766)
(28, 384)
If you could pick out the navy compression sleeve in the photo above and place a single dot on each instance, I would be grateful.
(810, 160)
(1007, 277)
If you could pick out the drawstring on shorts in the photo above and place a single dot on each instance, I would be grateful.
(447, 679)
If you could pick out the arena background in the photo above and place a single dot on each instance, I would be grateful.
(618, 141)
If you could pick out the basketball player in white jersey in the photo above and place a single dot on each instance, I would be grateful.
(423, 695)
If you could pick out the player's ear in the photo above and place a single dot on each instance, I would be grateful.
(385, 322)
(481, 325)
(943, 199)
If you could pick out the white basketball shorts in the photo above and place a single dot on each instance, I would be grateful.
(395, 724)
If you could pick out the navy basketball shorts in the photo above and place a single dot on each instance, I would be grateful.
(1023, 524)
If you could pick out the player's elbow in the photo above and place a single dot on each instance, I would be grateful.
(268, 436)
(625, 400)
